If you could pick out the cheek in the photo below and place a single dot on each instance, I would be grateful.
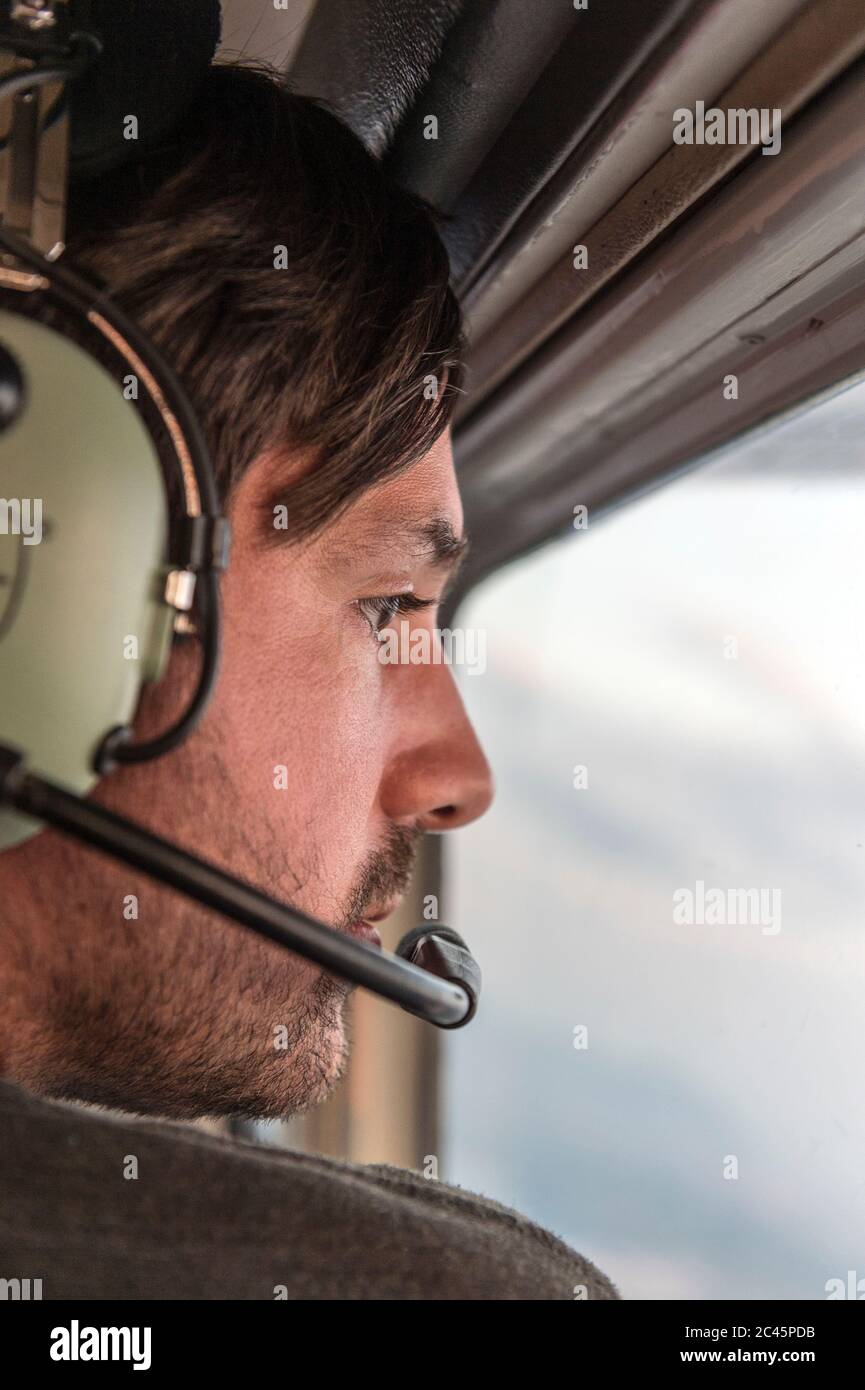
(301, 689)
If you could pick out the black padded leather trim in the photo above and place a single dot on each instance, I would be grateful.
(368, 59)
(490, 61)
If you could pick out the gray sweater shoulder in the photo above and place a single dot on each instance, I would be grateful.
(105, 1207)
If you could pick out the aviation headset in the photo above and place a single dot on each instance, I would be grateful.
(104, 563)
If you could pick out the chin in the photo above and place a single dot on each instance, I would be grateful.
(185, 1078)
(283, 1085)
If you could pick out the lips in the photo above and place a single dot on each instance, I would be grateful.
(366, 932)
(364, 929)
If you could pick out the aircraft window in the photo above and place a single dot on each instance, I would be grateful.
(699, 654)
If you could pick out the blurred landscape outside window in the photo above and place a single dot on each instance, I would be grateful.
(675, 697)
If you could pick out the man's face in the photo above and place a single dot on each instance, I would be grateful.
(312, 775)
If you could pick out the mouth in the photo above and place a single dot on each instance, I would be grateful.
(366, 932)
(365, 929)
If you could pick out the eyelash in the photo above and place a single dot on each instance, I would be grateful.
(386, 606)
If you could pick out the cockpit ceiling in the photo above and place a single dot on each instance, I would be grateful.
(555, 129)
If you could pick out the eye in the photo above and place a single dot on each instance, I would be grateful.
(379, 611)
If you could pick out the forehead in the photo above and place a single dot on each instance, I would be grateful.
(425, 495)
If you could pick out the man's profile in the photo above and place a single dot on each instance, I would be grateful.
(304, 300)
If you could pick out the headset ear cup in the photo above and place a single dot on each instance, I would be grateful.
(83, 623)
(154, 56)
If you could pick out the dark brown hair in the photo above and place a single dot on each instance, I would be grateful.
(299, 292)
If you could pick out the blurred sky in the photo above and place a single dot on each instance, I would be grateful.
(608, 650)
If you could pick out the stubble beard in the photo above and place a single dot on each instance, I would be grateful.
(183, 1014)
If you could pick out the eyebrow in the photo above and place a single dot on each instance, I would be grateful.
(433, 542)
(439, 543)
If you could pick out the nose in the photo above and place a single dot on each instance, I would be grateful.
(437, 778)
